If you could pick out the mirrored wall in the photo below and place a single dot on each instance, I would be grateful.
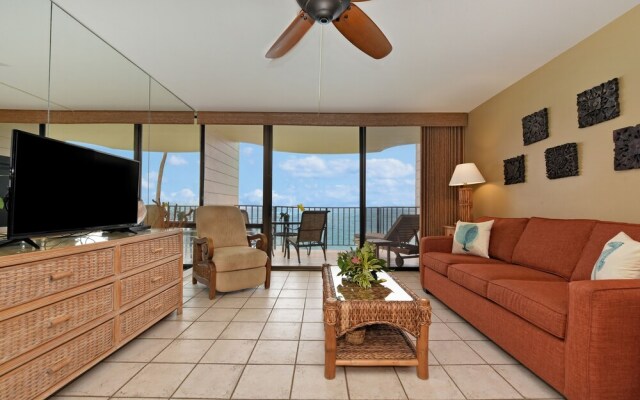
(58, 79)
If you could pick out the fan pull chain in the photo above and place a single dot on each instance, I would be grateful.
(320, 68)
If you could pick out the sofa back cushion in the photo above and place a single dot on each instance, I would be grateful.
(505, 234)
(553, 245)
(602, 233)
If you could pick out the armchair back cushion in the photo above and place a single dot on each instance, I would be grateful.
(505, 234)
(553, 245)
(602, 233)
(223, 224)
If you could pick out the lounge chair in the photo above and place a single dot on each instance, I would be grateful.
(402, 238)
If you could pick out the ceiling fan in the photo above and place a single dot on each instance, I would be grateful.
(350, 20)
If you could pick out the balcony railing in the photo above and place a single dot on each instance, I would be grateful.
(342, 222)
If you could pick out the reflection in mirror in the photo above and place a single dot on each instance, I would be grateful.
(88, 74)
(170, 185)
(116, 139)
(24, 54)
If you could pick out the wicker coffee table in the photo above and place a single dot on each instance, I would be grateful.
(388, 311)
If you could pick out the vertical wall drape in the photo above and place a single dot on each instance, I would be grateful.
(441, 150)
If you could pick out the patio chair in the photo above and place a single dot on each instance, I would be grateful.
(402, 238)
(223, 258)
(312, 232)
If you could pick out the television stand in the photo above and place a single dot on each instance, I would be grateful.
(26, 240)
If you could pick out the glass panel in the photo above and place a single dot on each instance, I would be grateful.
(116, 139)
(316, 168)
(393, 192)
(24, 54)
(233, 168)
(389, 290)
(170, 185)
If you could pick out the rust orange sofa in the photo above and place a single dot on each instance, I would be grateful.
(534, 298)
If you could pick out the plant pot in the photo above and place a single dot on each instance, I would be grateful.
(356, 336)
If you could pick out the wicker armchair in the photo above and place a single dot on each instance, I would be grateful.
(223, 258)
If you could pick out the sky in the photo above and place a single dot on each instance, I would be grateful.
(309, 179)
(330, 179)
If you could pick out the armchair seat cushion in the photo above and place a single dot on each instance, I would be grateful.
(544, 304)
(440, 262)
(476, 277)
(234, 258)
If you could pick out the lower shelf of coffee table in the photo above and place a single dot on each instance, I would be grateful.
(383, 345)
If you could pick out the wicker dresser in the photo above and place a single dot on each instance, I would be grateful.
(64, 309)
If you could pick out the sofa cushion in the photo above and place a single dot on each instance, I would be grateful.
(544, 304)
(553, 245)
(476, 277)
(440, 262)
(238, 258)
(505, 234)
(602, 233)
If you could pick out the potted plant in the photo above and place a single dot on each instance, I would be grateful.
(361, 265)
(284, 216)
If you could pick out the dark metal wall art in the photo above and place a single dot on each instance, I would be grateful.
(562, 161)
(535, 127)
(514, 170)
(598, 104)
(627, 148)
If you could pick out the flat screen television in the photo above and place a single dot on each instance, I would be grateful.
(57, 188)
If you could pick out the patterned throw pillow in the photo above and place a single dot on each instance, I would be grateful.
(472, 238)
(620, 259)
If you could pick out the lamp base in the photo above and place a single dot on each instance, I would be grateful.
(465, 204)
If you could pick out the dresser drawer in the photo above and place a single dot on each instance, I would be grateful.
(38, 375)
(137, 317)
(145, 282)
(26, 282)
(27, 331)
(141, 253)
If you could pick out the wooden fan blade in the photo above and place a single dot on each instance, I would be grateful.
(291, 35)
(360, 30)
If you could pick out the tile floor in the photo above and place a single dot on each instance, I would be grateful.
(268, 344)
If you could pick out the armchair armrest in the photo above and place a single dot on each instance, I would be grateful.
(261, 241)
(440, 244)
(603, 332)
(202, 250)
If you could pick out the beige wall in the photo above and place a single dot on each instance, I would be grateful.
(495, 134)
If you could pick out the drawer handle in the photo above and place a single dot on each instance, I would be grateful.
(59, 365)
(156, 307)
(156, 279)
(56, 276)
(158, 250)
(59, 320)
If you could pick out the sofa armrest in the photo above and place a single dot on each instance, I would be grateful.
(603, 332)
(440, 244)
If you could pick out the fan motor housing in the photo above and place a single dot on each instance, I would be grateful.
(324, 11)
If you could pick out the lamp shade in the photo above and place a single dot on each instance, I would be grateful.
(466, 174)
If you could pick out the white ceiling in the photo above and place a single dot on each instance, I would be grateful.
(448, 55)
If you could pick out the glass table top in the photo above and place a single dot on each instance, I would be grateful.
(389, 290)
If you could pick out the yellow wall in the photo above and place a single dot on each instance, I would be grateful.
(495, 133)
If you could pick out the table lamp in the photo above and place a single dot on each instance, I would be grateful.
(463, 175)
